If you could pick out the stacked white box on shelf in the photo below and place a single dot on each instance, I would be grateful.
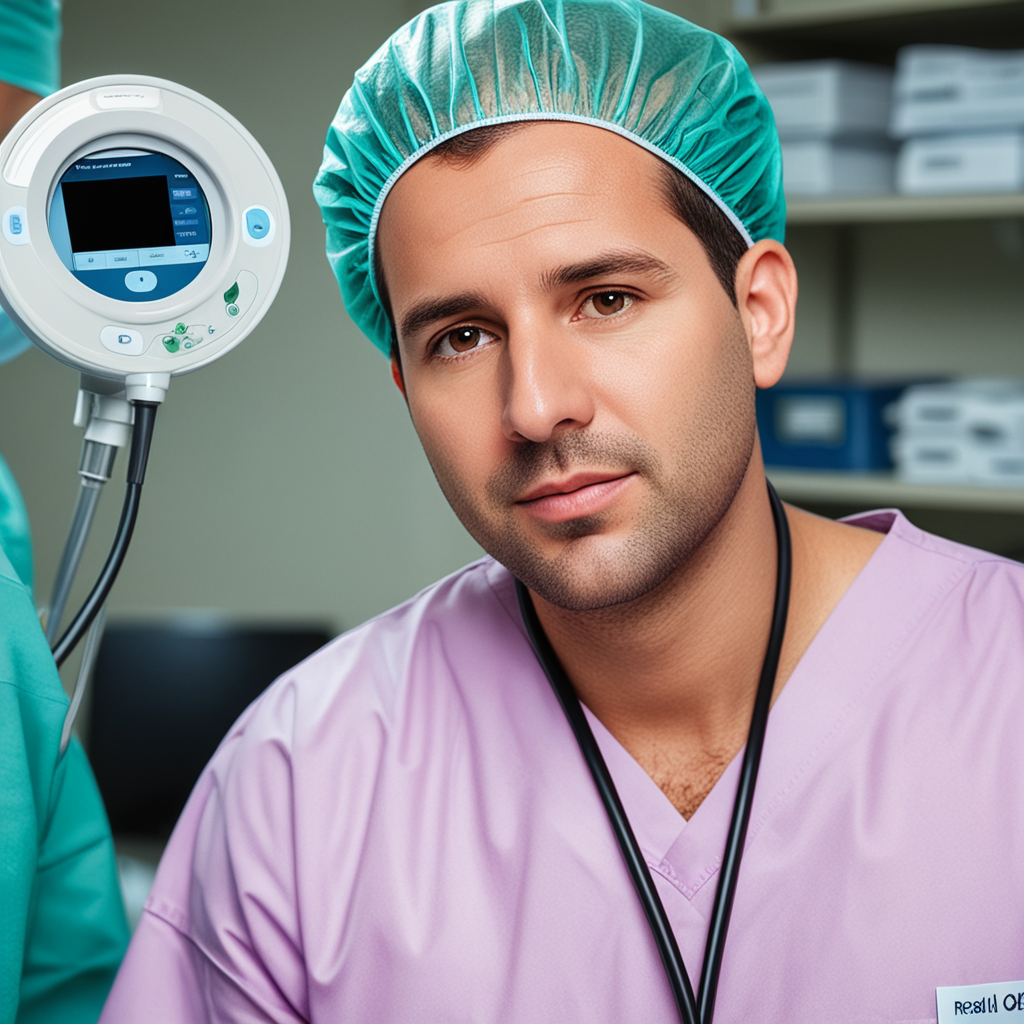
(966, 432)
(961, 112)
(832, 117)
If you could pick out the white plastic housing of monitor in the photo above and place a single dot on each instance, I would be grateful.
(62, 315)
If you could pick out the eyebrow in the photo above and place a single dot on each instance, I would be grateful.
(430, 311)
(607, 264)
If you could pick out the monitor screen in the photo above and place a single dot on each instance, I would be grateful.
(130, 224)
(163, 695)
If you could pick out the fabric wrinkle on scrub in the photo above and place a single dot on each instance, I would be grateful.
(401, 829)
(679, 91)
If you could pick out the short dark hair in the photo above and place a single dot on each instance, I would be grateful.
(722, 242)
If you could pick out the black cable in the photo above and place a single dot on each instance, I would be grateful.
(142, 437)
(664, 937)
(730, 869)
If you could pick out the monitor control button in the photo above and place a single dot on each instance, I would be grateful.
(15, 225)
(257, 222)
(259, 226)
(122, 340)
(140, 280)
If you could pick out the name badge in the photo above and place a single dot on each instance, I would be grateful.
(958, 1002)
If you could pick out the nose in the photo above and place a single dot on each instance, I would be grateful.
(547, 385)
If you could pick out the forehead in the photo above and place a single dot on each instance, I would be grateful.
(546, 186)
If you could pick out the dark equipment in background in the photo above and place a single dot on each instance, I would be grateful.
(828, 424)
(164, 695)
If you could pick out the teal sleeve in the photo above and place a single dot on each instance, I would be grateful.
(78, 932)
(15, 539)
(30, 44)
(62, 927)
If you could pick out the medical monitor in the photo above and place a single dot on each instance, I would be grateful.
(130, 224)
(143, 230)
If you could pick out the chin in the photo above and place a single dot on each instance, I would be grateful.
(590, 573)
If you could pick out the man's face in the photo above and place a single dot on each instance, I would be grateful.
(579, 379)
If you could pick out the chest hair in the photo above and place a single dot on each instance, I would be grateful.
(686, 780)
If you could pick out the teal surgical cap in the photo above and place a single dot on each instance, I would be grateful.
(29, 44)
(681, 92)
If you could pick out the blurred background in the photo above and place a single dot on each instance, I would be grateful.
(287, 481)
(287, 493)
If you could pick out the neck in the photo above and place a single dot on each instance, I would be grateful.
(683, 661)
(673, 675)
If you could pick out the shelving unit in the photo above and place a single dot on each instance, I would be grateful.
(848, 298)
(771, 18)
(874, 29)
(895, 208)
(886, 489)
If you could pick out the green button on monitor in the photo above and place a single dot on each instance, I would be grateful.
(171, 343)
(180, 328)
(231, 294)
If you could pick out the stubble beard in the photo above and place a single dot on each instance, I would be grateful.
(680, 511)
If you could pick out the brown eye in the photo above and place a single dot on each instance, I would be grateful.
(606, 304)
(463, 339)
(609, 302)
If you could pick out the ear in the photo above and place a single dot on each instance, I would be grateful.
(396, 376)
(766, 290)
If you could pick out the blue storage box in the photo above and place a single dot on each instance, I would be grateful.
(827, 424)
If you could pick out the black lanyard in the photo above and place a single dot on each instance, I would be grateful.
(635, 863)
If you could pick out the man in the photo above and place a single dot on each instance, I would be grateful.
(62, 923)
(563, 222)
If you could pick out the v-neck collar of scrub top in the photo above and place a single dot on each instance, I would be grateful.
(824, 693)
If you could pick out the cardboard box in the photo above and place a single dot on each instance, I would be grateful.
(957, 89)
(828, 168)
(924, 460)
(982, 408)
(965, 432)
(827, 99)
(952, 164)
(932, 460)
(827, 424)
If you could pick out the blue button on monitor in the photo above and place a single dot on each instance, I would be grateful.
(257, 222)
(140, 280)
(15, 225)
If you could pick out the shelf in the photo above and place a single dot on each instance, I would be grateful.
(873, 489)
(882, 209)
(874, 30)
(839, 13)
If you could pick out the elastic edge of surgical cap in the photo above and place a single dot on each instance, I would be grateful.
(425, 149)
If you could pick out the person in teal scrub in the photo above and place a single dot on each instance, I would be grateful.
(63, 930)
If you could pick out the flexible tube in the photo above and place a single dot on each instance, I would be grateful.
(671, 958)
(81, 522)
(142, 437)
(92, 646)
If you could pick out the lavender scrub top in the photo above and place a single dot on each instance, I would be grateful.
(401, 829)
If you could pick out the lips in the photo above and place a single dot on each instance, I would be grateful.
(581, 494)
(570, 484)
